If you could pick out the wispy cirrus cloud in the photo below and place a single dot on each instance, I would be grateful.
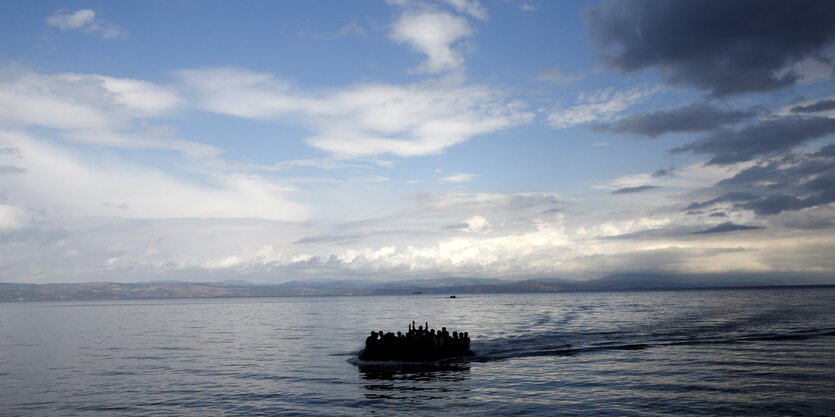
(74, 100)
(473, 8)
(352, 29)
(528, 7)
(65, 183)
(458, 177)
(600, 106)
(365, 120)
(94, 109)
(558, 76)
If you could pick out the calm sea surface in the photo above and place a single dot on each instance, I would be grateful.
(716, 352)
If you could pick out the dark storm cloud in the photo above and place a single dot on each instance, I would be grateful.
(822, 105)
(721, 46)
(724, 198)
(765, 138)
(632, 190)
(696, 117)
(810, 221)
(789, 183)
(727, 227)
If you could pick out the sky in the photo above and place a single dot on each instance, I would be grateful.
(306, 140)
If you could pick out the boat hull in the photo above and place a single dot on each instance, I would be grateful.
(418, 356)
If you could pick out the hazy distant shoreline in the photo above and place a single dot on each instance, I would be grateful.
(11, 292)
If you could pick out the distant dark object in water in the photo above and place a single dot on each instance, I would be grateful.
(417, 292)
(452, 296)
(417, 345)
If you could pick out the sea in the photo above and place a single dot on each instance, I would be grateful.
(645, 353)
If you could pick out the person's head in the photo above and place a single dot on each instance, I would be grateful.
(443, 329)
(455, 335)
(466, 334)
(399, 334)
(432, 331)
(373, 334)
(420, 328)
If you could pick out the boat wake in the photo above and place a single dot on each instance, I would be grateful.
(567, 344)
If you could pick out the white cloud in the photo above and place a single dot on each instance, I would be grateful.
(143, 140)
(555, 75)
(352, 29)
(364, 120)
(600, 106)
(93, 109)
(470, 7)
(141, 97)
(80, 101)
(538, 248)
(326, 164)
(67, 184)
(691, 177)
(477, 224)
(32, 99)
(468, 202)
(521, 239)
(458, 177)
(620, 227)
(77, 20)
(85, 20)
(12, 217)
(527, 7)
(433, 33)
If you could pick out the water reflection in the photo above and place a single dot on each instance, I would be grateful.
(416, 372)
(416, 382)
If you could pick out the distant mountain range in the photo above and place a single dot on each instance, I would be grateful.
(445, 286)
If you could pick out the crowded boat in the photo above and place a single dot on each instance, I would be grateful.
(418, 344)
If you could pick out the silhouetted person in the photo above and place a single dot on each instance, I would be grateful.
(455, 343)
(371, 341)
(389, 343)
